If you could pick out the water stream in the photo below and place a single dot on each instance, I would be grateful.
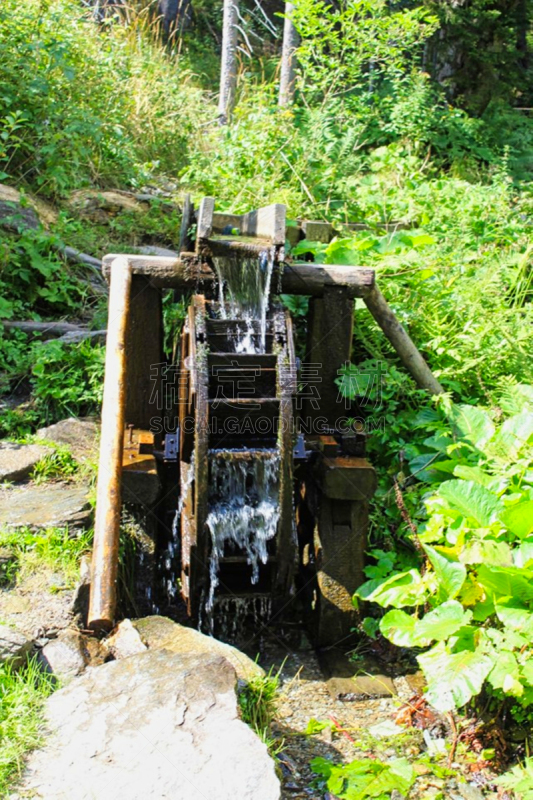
(243, 293)
(243, 502)
(244, 511)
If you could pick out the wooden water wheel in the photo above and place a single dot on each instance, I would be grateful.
(234, 406)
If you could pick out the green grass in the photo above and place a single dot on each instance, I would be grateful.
(53, 548)
(22, 695)
(59, 464)
(257, 702)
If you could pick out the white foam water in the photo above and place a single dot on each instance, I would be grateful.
(244, 512)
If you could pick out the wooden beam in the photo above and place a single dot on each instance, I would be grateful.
(108, 491)
(409, 354)
(205, 218)
(307, 279)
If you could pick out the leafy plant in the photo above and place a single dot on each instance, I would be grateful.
(519, 779)
(472, 601)
(364, 778)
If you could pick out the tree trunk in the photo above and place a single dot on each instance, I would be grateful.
(228, 67)
(291, 41)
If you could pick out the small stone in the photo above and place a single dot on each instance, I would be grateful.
(470, 792)
(385, 729)
(14, 647)
(125, 641)
(64, 657)
(18, 460)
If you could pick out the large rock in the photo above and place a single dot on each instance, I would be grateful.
(79, 435)
(155, 725)
(160, 633)
(14, 647)
(45, 506)
(18, 460)
(25, 211)
(102, 206)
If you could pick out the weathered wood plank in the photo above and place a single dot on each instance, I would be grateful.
(205, 218)
(318, 231)
(307, 279)
(144, 352)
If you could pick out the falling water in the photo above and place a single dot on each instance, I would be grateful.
(244, 289)
(244, 512)
(168, 555)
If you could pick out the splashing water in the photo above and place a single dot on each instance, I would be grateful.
(244, 513)
(243, 293)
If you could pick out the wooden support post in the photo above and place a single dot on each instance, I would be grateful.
(108, 494)
(329, 344)
(409, 354)
(144, 355)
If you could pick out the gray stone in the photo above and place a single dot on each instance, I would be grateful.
(18, 460)
(14, 647)
(44, 506)
(155, 725)
(79, 435)
(149, 250)
(160, 633)
(125, 641)
(25, 211)
(470, 792)
(64, 657)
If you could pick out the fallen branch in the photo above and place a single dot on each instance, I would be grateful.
(51, 329)
(62, 331)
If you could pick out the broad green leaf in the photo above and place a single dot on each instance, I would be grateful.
(523, 555)
(474, 424)
(471, 500)
(507, 582)
(440, 623)
(505, 674)
(513, 434)
(475, 474)
(515, 615)
(487, 551)
(519, 518)
(422, 239)
(403, 589)
(450, 574)
(398, 775)
(453, 678)
(399, 628)
(520, 780)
